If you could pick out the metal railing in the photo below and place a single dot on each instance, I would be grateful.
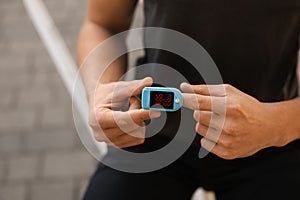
(65, 65)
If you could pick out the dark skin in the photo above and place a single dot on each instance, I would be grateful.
(250, 125)
(104, 19)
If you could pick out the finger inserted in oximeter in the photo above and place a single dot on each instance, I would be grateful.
(161, 99)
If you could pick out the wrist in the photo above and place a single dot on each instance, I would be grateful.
(279, 124)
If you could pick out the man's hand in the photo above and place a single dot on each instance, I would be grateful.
(112, 125)
(249, 125)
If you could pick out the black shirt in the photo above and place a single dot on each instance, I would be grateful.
(254, 43)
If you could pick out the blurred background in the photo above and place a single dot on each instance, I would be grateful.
(41, 156)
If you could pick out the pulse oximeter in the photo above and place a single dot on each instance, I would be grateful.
(161, 99)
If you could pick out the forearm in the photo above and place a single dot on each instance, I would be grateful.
(90, 36)
(286, 120)
(289, 112)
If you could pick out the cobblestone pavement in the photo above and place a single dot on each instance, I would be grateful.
(41, 156)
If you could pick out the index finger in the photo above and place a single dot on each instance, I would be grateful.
(196, 102)
(204, 103)
(125, 120)
(207, 90)
(126, 89)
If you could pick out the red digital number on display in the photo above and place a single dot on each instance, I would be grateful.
(164, 99)
(165, 102)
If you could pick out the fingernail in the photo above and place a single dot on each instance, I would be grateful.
(147, 79)
(184, 84)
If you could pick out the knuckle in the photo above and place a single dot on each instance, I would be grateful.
(92, 124)
(122, 123)
(227, 87)
(201, 88)
(198, 129)
(236, 107)
(239, 139)
(100, 118)
(227, 155)
(230, 129)
(227, 144)
(201, 130)
(95, 125)
(196, 115)
(141, 141)
(101, 123)
(202, 141)
(92, 120)
(199, 101)
(99, 137)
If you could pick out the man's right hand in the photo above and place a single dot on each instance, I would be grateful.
(113, 126)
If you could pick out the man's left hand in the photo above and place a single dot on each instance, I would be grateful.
(248, 127)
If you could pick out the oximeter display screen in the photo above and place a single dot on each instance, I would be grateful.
(164, 99)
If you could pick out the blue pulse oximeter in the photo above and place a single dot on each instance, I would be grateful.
(161, 99)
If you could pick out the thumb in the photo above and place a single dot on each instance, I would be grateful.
(140, 115)
(126, 89)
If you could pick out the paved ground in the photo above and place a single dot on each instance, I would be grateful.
(41, 156)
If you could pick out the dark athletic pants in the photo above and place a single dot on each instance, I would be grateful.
(270, 174)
